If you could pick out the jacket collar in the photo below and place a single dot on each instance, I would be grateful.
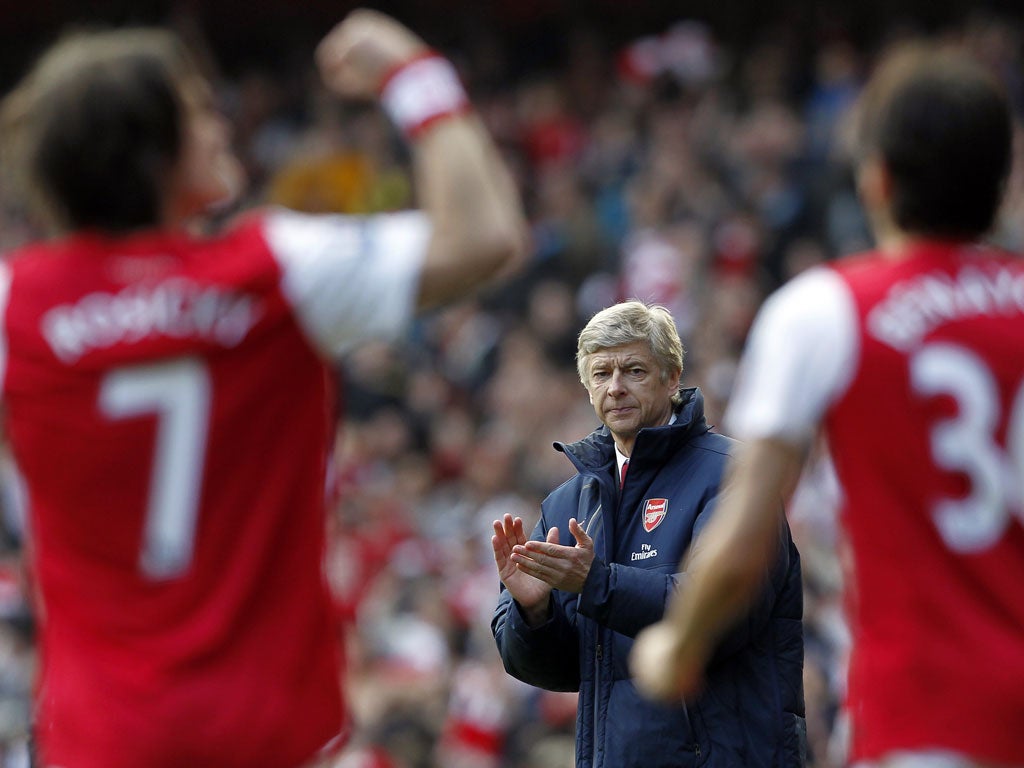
(596, 451)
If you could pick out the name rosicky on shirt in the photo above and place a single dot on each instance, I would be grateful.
(176, 308)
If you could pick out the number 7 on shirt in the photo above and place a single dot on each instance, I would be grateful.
(178, 394)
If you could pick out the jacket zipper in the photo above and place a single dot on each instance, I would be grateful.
(598, 651)
(588, 526)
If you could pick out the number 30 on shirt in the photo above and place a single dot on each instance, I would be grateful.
(967, 443)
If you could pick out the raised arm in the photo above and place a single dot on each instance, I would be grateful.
(478, 229)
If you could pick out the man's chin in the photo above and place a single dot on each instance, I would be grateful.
(623, 429)
(232, 180)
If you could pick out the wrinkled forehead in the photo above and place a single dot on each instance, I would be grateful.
(622, 356)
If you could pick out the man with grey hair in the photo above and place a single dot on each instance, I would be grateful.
(601, 565)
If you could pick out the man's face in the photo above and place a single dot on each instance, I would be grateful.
(207, 172)
(627, 390)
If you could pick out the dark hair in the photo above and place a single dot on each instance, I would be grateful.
(93, 131)
(942, 126)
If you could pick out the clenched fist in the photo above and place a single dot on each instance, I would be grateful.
(356, 56)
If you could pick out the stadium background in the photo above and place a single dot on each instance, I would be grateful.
(694, 154)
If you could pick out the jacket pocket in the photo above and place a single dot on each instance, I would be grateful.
(639, 733)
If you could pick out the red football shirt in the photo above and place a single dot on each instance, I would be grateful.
(916, 367)
(167, 400)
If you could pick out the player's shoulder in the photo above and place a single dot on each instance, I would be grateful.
(299, 236)
(41, 266)
(998, 256)
(39, 252)
(859, 261)
(816, 310)
(816, 291)
(262, 222)
(236, 247)
(250, 224)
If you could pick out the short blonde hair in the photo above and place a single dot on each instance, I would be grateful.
(629, 322)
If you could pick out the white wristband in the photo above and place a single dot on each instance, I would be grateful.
(421, 92)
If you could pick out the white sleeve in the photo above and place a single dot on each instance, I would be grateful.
(350, 278)
(800, 357)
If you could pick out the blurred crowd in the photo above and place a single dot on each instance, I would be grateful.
(673, 169)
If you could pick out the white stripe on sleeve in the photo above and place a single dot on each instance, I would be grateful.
(801, 356)
(349, 278)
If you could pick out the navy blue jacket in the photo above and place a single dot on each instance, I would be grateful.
(750, 714)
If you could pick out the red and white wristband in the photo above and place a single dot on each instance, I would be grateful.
(421, 92)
